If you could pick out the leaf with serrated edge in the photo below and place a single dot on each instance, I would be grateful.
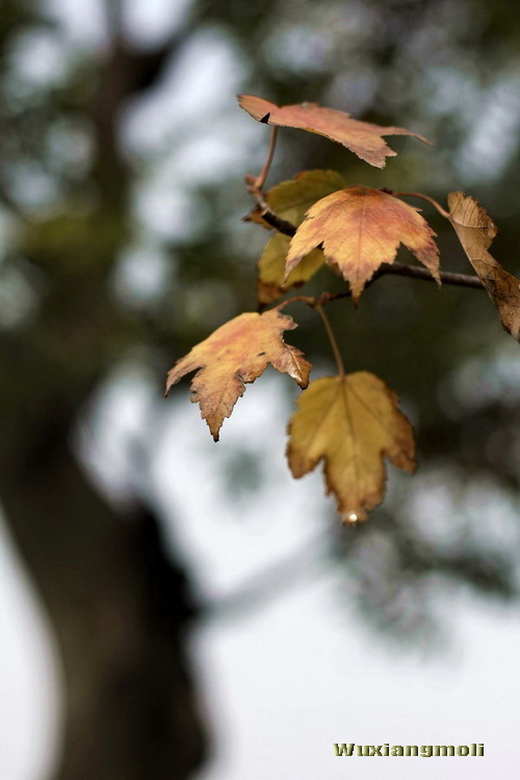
(237, 353)
(352, 423)
(362, 138)
(476, 231)
(360, 228)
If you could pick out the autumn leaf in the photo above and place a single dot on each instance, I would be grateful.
(362, 138)
(351, 423)
(290, 200)
(476, 231)
(237, 353)
(270, 284)
(359, 229)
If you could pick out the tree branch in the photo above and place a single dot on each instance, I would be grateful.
(416, 272)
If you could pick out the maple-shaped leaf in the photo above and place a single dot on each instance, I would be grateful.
(476, 231)
(352, 423)
(362, 138)
(290, 200)
(360, 228)
(236, 353)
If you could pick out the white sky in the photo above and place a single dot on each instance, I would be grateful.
(29, 674)
(285, 685)
(284, 682)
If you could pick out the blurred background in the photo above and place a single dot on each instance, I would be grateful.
(172, 608)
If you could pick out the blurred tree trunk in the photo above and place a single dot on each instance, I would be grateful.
(119, 608)
(120, 612)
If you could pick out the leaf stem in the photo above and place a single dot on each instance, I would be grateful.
(427, 198)
(308, 299)
(258, 182)
(330, 333)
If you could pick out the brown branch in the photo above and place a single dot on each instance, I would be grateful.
(396, 269)
(415, 272)
(272, 219)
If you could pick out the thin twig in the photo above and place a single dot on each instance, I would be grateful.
(272, 219)
(281, 225)
(397, 269)
(415, 272)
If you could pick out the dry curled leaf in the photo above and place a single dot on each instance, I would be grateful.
(290, 200)
(352, 423)
(360, 228)
(476, 231)
(362, 138)
(236, 353)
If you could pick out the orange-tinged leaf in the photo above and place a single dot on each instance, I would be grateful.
(360, 228)
(362, 138)
(290, 200)
(236, 353)
(351, 423)
(476, 231)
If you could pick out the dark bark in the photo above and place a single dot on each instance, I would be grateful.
(121, 611)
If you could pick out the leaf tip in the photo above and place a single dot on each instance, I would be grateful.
(171, 380)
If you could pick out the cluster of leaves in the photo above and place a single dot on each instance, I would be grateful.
(350, 421)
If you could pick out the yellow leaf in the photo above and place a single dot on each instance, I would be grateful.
(476, 231)
(352, 423)
(271, 269)
(362, 138)
(359, 229)
(290, 200)
(236, 353)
